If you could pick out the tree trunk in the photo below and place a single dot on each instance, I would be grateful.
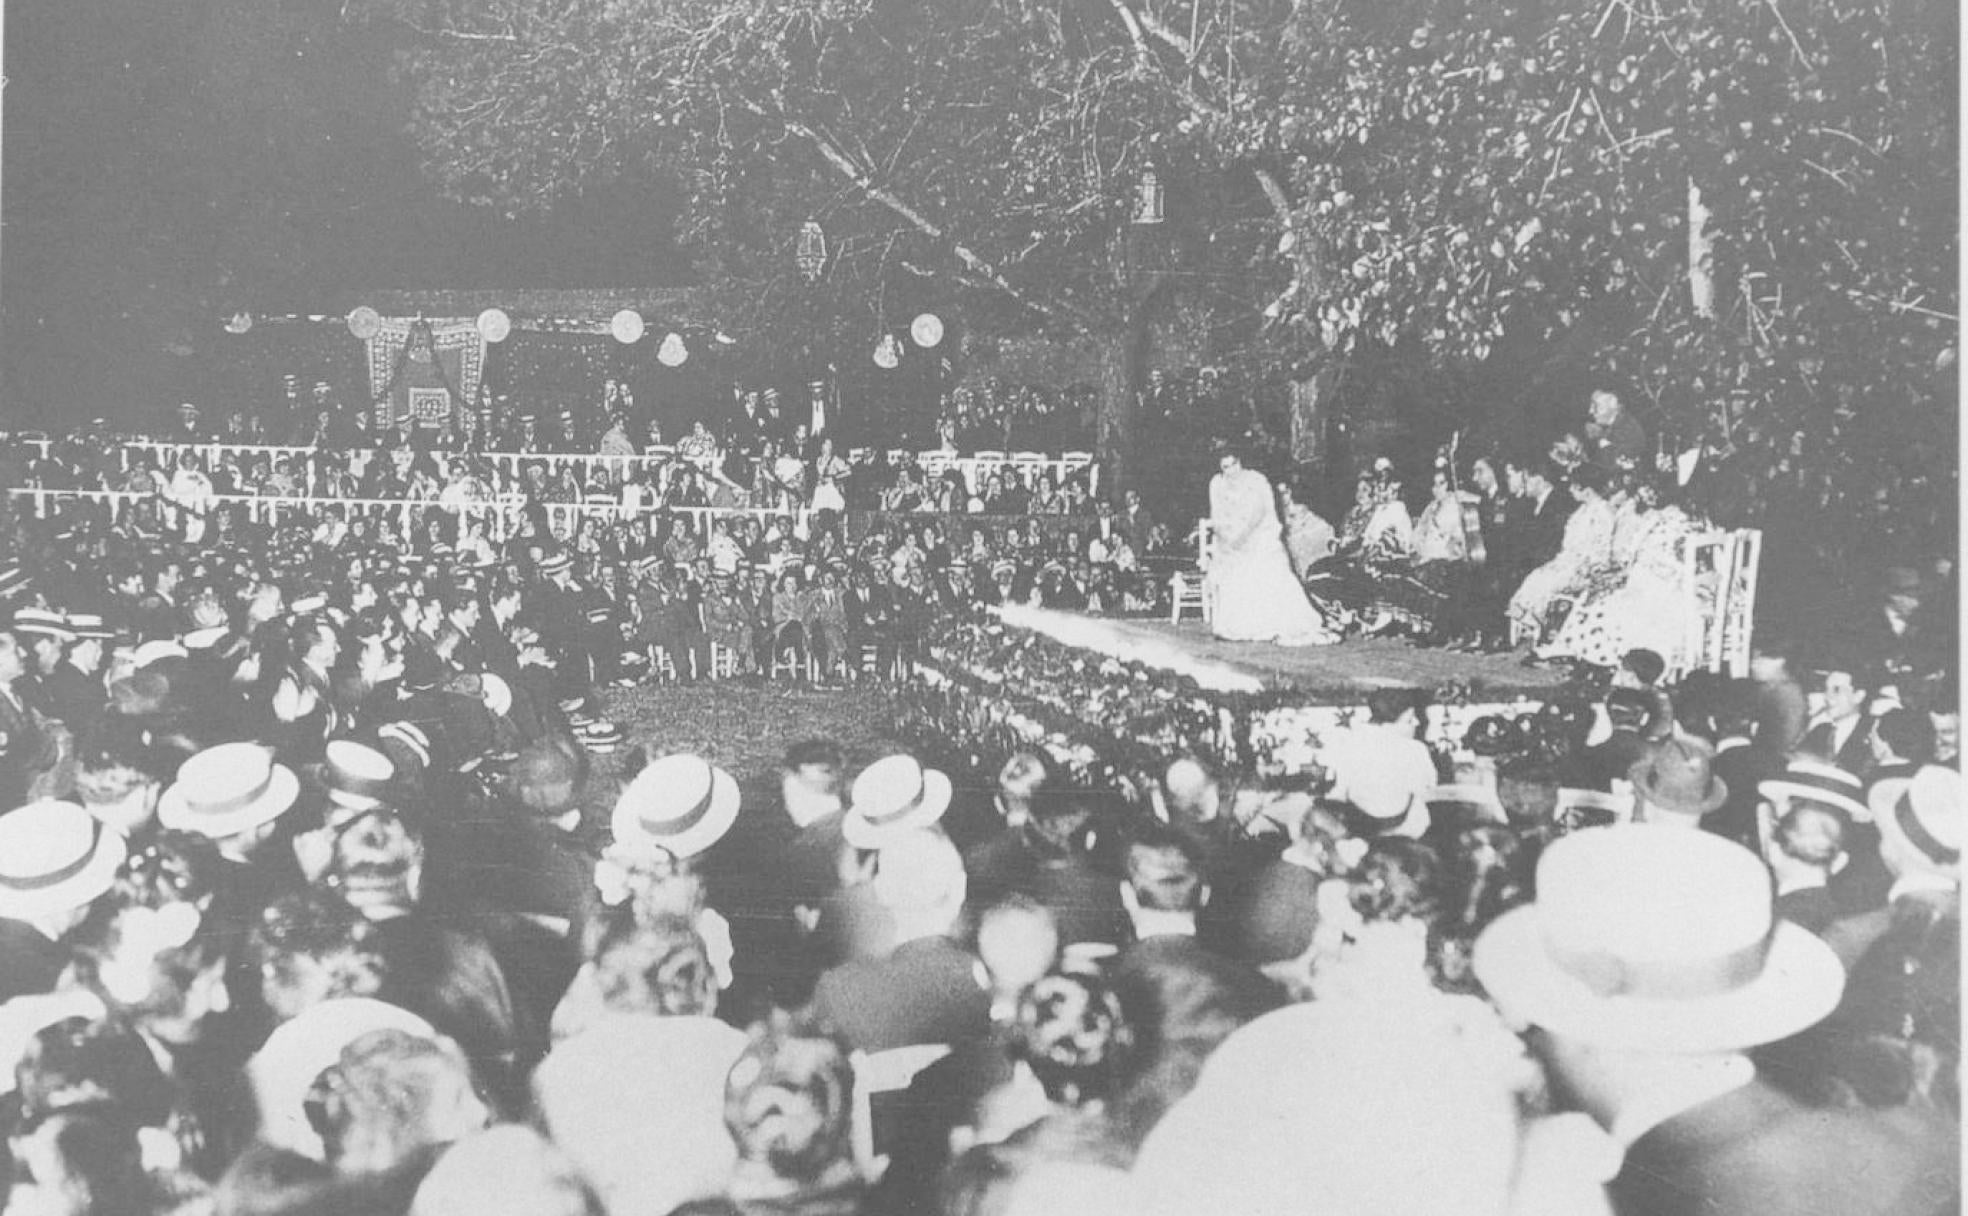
(1120, 410)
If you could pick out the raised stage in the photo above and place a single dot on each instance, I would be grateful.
(1340, 674)
(1125, 695)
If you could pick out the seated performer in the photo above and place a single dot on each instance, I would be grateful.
(1256, 596)
(1366, 580)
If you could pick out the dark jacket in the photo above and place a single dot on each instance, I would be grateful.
(1758, 1151)
(928, 990)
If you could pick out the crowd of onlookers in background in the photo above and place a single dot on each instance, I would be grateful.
(327, 884)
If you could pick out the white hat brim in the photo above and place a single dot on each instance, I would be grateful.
(1884, 800)
(299, 1051)
(282, 790)
(937, 791)
(1780, 787)
(1799, 986)
(74, 891)
(717, 820)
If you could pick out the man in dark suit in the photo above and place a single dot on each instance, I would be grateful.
(1544, 526)
(928, 989)
(27, 747)
(1655, 1046)
(1843, 736)
(1530, 532)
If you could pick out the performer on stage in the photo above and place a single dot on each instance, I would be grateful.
(1256, 596)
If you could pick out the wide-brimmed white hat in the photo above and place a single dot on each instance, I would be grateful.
(1816, 781)
(682, 804)
(43, 622)
(156, 650)
(1920, 819)
(893, 795)
(228, 789)
(207, 638)
(1647, 937)
(54, 856)
(298, 1052)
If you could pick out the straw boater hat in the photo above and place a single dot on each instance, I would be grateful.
(682, 804)
(1920, 819)
(54, 856)
(1657, 939)
(156, 650)
(43, 622)
(407, 745)
(356, 775)
(225, 790)
(298, 1052)
(89, 625)
(891, 796)
(1816, 781)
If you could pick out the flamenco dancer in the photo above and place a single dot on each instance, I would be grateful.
(1256, 596)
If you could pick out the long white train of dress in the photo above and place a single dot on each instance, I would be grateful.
(1255, 596)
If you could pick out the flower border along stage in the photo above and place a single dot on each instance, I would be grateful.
(983, 688)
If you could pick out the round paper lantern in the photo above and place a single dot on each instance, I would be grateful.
(626, 326)
(494, 325)
(365, 322)
(926, 329)
(888, 353)
(672, 352)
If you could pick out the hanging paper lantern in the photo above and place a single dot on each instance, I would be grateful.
(626, 326)
(888, 353)
(810, 251)
(494, 325)
(926, 329)
(365, 322)
(672, 352)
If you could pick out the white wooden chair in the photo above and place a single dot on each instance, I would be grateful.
(1191, 588)
(1721, 568)
(724, 662)
(882, 1072)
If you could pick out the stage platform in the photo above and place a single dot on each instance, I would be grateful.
(1127, 694)
(1339, 674)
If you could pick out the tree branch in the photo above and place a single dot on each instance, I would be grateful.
(978, 267)
(1303, 270)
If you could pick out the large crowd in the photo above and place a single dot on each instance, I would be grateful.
(327, 883)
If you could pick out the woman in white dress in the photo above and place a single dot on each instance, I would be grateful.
(1646, 602)
(830, 474)
(1257, 598)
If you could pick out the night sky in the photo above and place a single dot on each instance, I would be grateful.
(167, 161)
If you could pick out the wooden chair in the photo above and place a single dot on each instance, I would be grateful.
(724, 662)
(1721, 567)
(1190, 588)
(882, 1072)
(784, 663)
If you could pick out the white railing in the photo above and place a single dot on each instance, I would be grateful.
(500, 516)
(977, 468)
